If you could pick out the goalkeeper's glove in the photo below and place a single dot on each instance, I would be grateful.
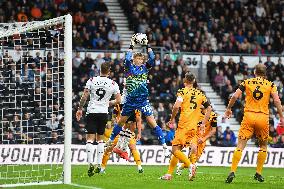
(144, 42)
(133, 41)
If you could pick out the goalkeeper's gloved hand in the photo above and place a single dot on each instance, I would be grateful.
(144, 42)
(133, 41)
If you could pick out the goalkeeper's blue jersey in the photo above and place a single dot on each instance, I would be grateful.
(136, 77)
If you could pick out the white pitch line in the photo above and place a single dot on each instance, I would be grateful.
(83, 186)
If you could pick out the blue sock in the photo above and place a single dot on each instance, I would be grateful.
(115, 131)
(159, 133)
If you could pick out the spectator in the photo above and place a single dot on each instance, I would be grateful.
(272, 135)
(221, 64)
(219, 81)
(280, 130)
(211, 69)
(280, 142)
(219, 135)
(279, 68)
(113, 36)
(229, 137)
(100, 6)
(169, 133)
(77, 60)
(269, 64)
(242, 64)
(228, 141)
(98, 41)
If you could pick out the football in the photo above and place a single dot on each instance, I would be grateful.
(141, 39)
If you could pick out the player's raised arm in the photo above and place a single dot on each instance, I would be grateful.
(151, 56)
(236, 95)
(128, 55)
(277, 104)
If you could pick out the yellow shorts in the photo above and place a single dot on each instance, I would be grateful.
(184, 137)
(254, 123)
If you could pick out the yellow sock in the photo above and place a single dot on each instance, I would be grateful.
(236, 158)
(136, 156)
(173, 164)
(261, 157)
(182, 157)
(193, 158)
(105, 159)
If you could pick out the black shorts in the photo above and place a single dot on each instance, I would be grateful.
(131, 118)
(96, 123)
(117, 110)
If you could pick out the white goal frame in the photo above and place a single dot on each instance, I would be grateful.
(16, 28)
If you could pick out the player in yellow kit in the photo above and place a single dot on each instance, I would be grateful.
(210, 129)
(133, 121)
(189, 100)
(256, 117)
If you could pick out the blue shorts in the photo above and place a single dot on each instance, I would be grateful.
(131, 105)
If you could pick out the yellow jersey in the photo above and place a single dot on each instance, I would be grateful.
(191, 101)
(258, 92)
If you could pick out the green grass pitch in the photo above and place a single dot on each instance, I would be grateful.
(127, 177)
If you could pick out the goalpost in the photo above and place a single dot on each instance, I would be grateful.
(36, 102)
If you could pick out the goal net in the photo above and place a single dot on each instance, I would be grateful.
(35, 102)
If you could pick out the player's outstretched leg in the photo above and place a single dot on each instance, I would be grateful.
(106, 155)
(173, 163)
(116, 130)
(104, 161)
(158, 133)
(236, 159)
(122, 144)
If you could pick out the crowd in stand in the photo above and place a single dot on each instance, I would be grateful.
(31, 100)
(230, 26)
(254, 27)
(92, 26)
(226, 76)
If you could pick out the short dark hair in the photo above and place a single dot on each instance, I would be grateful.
(105, 68)
(260, 70)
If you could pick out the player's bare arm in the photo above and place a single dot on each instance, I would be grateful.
(236, 95)
(116, 101)
(278, 106)
(206, 118)
(82, 102)
(175, 111)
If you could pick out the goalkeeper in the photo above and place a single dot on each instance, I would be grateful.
(136, 73)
